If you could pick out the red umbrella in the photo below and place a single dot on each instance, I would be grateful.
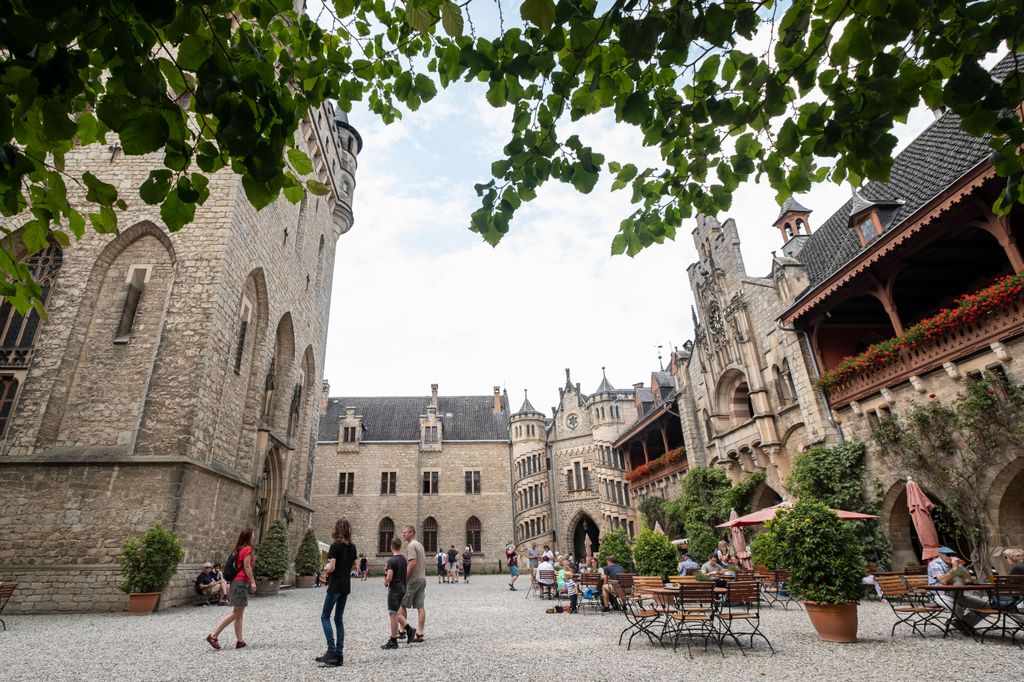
(921, 514)
(739, 543)
(761, 515)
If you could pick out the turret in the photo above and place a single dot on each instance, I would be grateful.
(793, 220)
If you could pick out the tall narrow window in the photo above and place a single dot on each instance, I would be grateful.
(346, 482)
(429, 434)
(579, 475)
(473, 534)
(300, 225)
(8, 392)
(568, 480)
(243, 327)
(320, 266)
(137, 276)
(473, 482)
(430, 534)
(385, 534)
(388, 482)
(586, 478)
(430, 482)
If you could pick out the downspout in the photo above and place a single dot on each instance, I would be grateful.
(817, 375)
(549, 455)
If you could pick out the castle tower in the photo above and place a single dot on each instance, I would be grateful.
(531, 478)
(177, 377)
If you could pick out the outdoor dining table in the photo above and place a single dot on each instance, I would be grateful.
(956, 591)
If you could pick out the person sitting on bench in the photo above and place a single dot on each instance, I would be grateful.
(209, 586)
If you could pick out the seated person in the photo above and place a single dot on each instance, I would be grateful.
(546, 583)
(940, 572)
(208, 585)
(713, 567)
(611, 571)
(1015, 559)
(687, 564)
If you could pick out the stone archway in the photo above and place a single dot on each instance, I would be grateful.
(765, 496)
(584, 527)
(906, 548)
(272, 488)
(1006, 504)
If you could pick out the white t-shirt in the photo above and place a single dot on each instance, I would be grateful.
(442, 558)
(549, 555)
(545, 566)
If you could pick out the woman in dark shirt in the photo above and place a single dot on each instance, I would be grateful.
(340, 560)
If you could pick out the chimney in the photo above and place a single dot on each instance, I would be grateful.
(497, 398)
(433, 396)
(325, 391)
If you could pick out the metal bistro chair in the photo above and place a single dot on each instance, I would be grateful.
(1004, 616)
(776, 592)
(6, 590)
(742, 605)
(641, 618)
(915, 569)
(916, 591)
(907, 609)
(590, 581)
(695, 615)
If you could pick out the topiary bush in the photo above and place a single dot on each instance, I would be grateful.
(703, 542)
(821, 553)
(615, 543)
(654, 553)
(307, 559)
(148, 562)
(764, 552)
(272, 554)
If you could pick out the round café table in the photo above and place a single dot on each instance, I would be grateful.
(956, 591)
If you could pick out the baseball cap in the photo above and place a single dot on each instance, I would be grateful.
(946, 550)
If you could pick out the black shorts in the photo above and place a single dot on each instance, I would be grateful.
(395, 600)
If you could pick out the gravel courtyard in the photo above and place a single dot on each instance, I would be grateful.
(477, 631)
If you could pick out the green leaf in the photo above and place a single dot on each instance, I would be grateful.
(99, 192)
(176, 213)
(156, 186)
(300, 161)
(418, 17)
(104, 222)
(318, 188)
(144, 133)
(540, 13)
(258, 193)
(192, 52)
(451, 19)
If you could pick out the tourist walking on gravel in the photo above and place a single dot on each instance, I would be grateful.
(363, 568)
(513, 565)
(467, 563)
(341, 558)
(395, 574)
(237, 570)
(416, 585)
(442, 559)
(453, 565)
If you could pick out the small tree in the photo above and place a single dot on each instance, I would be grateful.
(615, 543)
(654, 552)
(272, 554)
(821, 553)
(653, 511)
(307, 559)
(148, 562)
(764, 552)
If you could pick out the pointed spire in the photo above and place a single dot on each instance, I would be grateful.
(568, 380)
(859, 202)
(527, 407)
(605, 386)
(791, 205)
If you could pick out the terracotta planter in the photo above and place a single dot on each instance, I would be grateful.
(305, 581)
(142, 603)
(834, 622)
(267, 588)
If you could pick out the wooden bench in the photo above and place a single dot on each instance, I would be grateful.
(6, 590)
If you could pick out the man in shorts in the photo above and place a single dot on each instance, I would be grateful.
(416, 585)
(453, 565)
(394, 579)
(513, 565)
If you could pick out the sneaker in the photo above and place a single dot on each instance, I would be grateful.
(390, 644)
(513, 588)
(410, 633)
(326, 658)
(339, 659)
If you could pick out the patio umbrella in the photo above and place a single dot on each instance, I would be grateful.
(588, 543)
(739, 543)
(921, 514)
(761, 515)
(657, 528)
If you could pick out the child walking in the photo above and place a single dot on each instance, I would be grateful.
(394, 580)
(570, 589)
(363, 569)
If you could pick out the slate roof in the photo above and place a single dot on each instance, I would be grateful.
(397, 418)
(791, 204)
(932, 162)
(605, 386)
(527, 407)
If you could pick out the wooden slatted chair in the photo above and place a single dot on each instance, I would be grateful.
(907, 609)
(776, 591)
(695, 615)
(590, 582)
(742, 606)
(547, 583)
(640, 619)
(1003, 616)
(6, 590)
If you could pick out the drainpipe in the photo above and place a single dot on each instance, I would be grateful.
(549, 454)
(817, 375)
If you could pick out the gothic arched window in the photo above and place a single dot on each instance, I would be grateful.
(430, 534)
(385, 533)
(473, 533)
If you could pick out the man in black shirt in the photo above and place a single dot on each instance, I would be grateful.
(394, 580)
(453, 567)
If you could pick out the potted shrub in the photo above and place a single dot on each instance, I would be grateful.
(615, 543)
(823, 556)
(654, 553)
(307, 560)
(148, 563)
(271, 559)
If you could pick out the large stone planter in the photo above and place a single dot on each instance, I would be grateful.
(834, 622)
(305, 581)
(142, 603)
(267, 588)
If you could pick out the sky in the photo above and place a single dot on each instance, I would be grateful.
(419, 299)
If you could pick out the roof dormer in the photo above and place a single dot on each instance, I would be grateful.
(350, 430)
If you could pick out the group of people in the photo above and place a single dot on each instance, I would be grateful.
(945, 569)
(405, 579)
(210, 583)
(448, 564)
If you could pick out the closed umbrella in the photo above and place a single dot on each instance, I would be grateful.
(921, 514)
(739, 543)
(657, 528)
(588, 543)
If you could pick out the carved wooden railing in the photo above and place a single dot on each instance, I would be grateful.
(999, 324)
(678, 466)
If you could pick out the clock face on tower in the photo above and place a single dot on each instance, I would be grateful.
(573, 421)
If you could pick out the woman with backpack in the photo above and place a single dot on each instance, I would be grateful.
(237, 570)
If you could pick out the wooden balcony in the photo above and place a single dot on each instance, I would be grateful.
(999, 324)
(676, 467)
